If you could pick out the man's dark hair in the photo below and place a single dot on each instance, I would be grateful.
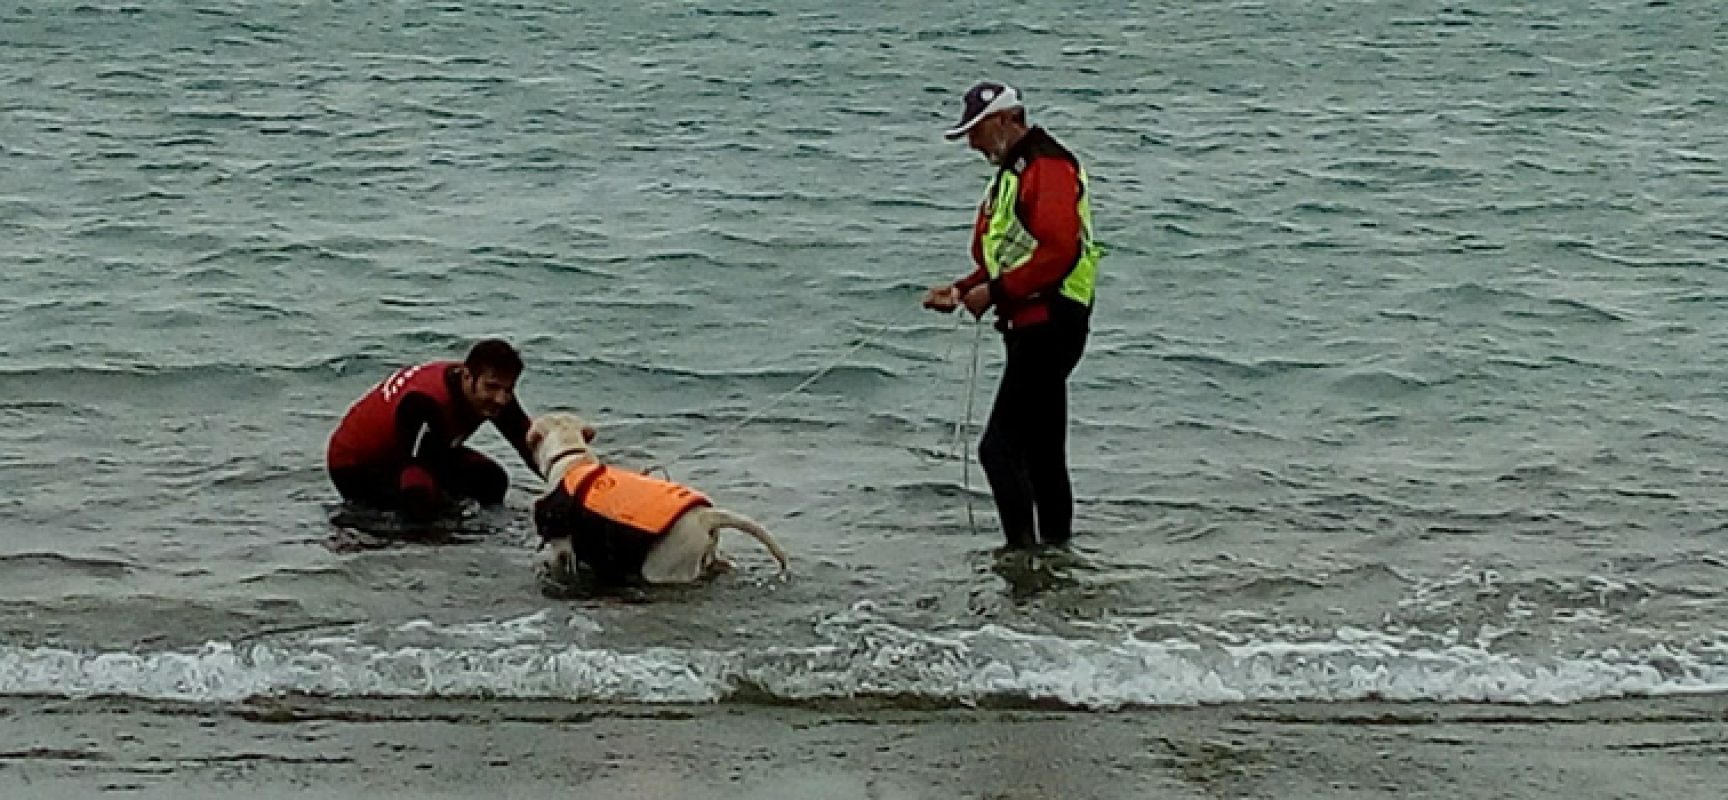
(495, 356)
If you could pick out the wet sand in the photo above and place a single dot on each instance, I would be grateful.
(318, 748)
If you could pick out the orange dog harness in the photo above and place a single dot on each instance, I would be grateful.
(647, 504)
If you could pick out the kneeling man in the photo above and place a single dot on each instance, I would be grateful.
(401, 446)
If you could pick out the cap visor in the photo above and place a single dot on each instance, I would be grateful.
(960, 130)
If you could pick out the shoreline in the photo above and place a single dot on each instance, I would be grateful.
(319, 747)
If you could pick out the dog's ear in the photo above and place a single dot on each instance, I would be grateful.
(588, 433)
(535, 434)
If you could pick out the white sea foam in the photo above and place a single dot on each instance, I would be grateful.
(862, 657)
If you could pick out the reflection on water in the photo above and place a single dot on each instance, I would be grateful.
(357, 528)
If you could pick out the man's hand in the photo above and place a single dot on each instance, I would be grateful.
(942, 298)
(978, 299)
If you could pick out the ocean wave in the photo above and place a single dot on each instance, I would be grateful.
(178, 374)
(1223, 366)
(864, 659)
(16, 567)
(129, 374)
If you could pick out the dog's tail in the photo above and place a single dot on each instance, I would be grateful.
(721, 518)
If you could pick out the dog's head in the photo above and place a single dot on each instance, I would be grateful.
(559, 436)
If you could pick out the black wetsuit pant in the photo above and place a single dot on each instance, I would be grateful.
(1024, 450)
(420, 490)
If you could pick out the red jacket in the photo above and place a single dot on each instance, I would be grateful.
(417, 415)
(1048, 205)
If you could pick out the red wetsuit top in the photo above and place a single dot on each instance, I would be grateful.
(417, 415)
(1048, 205)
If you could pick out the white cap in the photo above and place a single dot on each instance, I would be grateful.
(982, 100)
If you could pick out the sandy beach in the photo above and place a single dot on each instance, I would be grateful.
(56, 748)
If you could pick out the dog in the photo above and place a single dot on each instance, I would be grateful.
(623, 526)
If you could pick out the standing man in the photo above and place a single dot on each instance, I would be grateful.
(400, 446)
(1037, 264)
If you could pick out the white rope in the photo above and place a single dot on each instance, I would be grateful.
(960, 430)
(751, 417)
(962, 426)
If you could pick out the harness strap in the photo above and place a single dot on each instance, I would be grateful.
(579, 492)
(568, 451)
